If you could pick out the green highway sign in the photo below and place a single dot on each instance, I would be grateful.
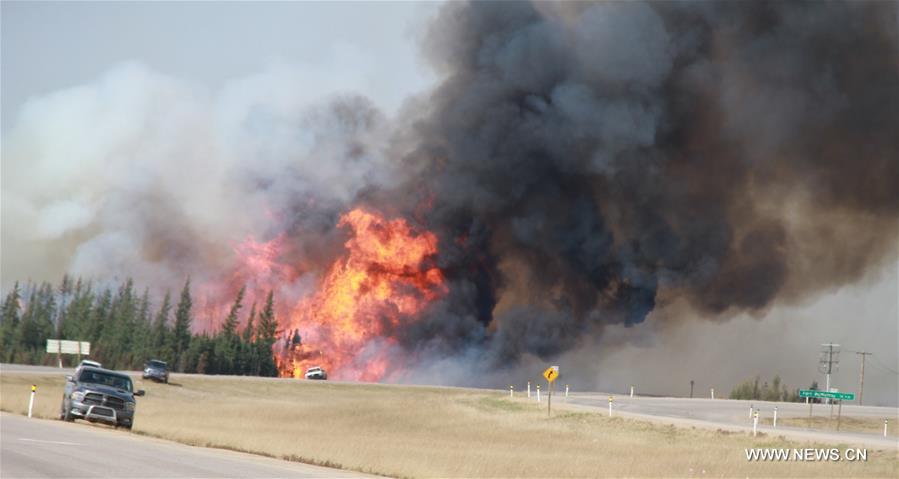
(811, 393)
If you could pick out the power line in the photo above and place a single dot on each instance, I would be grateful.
(884, 366)
(881, 364)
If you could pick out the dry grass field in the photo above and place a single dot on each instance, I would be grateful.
(850, 424)
(434, 432)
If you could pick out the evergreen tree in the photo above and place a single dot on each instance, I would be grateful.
(229, 328)
(45, 315)
(116, 334)
(247, 357)
(77, 313)
(140, 335)
(27, 334)
(98, 320)
(250, 329)
(65, 290)
(181, 334)
(160, 344)
(9, 324)
(227, 342)
(775, 393)
(265, 338)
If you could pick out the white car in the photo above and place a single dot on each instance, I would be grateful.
(87, 362)
(316, 373)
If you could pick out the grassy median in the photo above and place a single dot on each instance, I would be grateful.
(434, 432)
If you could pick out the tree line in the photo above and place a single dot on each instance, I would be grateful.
(125, 330)
(776, 391)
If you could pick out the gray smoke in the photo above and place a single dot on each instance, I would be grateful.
(146, 176)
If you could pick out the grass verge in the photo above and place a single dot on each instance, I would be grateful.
(870, 425)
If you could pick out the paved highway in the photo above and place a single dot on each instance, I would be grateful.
(35, 448)
(734, 415)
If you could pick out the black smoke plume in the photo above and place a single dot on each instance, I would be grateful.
(587, 161)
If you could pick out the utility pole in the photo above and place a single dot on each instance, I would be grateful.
(861, 376)
(830, 359)
(691, 389)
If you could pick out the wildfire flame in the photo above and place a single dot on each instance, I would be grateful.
(382, 282)
(259, 268)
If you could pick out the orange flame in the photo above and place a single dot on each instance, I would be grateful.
(381, 283)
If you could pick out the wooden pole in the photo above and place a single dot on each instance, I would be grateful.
(810, 414)
(839, 414)
(549, 399)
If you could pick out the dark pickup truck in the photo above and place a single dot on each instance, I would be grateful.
(156, 370)
(99, 395)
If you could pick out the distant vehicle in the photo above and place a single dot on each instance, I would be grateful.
(156, 370)
(99, 395)
(316, 373)
(87, 362)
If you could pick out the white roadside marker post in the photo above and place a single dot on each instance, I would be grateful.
(610, 406)
(566, 391)
(884, 428)
(775, 416)
(632, 391)
(713, 393)
(750, 411)
(529, 389)
(31, 401)
(511, 391)
(755, 424)
(538, 393)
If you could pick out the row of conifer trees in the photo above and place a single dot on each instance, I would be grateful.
(125, 328)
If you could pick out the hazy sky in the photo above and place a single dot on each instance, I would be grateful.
(371, 48)
(47, 46)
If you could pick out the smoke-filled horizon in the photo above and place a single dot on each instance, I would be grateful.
(581, 166)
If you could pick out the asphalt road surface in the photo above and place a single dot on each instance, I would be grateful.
(734, 415)
(35, 448)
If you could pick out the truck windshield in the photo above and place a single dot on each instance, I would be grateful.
(97, 377)
(156, 364)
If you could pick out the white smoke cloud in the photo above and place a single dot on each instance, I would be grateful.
(146, 175)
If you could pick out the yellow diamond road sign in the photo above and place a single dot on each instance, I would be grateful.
(551, 373)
